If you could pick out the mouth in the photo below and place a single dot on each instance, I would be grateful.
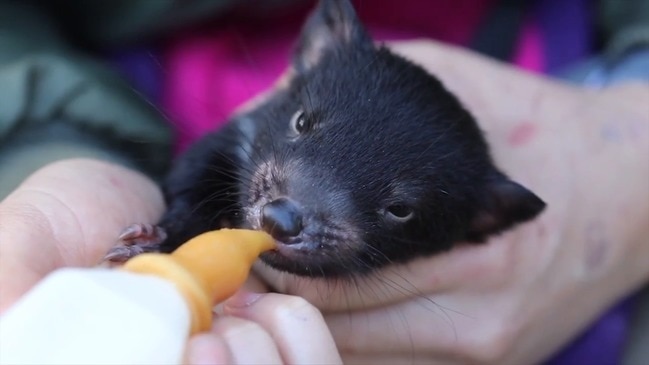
(319, 249)
(295, 248)
(294, 261)
(300, 257)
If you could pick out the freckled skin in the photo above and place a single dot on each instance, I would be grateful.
(522, 134)
(381, 136)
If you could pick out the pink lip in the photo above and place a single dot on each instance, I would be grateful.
(290, 250)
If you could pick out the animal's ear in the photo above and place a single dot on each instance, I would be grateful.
(503, 204)
(332, 25)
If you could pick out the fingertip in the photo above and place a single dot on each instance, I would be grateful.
(248, 342)
(207, 348)
(242, 299)
(297, 327)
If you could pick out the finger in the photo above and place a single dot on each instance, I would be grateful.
(68, 214)
(208, 349)
(86, 203)
(483, 266)
(247, 341)
(298, 327)
(454, 327)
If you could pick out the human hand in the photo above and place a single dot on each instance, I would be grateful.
(519, 298)
(69, 214)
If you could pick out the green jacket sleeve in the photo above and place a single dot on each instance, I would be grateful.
(57, 103)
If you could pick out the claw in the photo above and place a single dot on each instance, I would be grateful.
(121, 254)
(136, 239)
(118, 254)
(142, 232)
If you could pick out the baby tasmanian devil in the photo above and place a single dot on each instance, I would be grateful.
(363, 160)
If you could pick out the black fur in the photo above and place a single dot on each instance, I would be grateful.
(384, 135)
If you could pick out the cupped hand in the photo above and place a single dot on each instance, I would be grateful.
(523, 295)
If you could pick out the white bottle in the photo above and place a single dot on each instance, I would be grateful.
(96, 316)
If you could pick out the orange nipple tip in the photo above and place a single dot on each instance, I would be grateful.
(207, 269)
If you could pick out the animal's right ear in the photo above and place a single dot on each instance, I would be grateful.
(331, 26)
(503, 204)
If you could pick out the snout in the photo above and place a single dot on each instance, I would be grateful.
(282, 218)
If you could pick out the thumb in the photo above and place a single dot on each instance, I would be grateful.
(68, 213)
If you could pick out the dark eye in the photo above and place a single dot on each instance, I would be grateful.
(299, 123)
(399, 212)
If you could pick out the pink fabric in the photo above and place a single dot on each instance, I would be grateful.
(210, 76)
(530, 51)
(212, 71)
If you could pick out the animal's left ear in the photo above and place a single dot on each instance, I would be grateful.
(331, 26)
(504, 203)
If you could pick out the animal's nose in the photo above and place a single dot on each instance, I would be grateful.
(281, 218)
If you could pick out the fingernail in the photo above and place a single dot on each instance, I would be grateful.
(242, 299)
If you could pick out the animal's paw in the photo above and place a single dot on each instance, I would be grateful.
(136, 239)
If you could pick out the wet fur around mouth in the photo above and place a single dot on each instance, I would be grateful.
(382, 163)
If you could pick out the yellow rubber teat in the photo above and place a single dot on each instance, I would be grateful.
(207, 269)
